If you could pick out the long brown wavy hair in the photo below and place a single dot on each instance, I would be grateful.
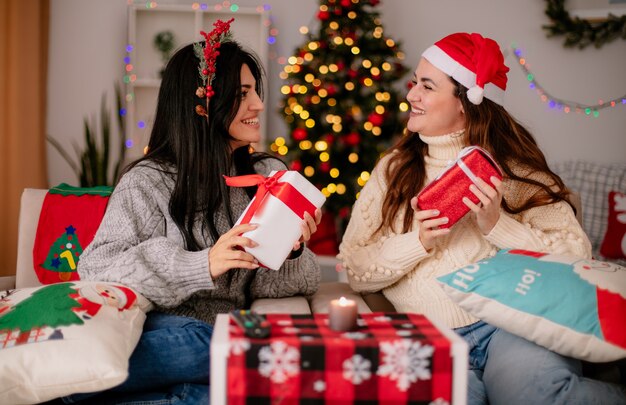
(489, 126)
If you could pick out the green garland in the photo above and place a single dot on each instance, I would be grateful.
(579, 32)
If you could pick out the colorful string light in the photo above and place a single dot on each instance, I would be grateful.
(564, 105)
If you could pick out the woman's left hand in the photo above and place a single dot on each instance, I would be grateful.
(309, 226)
(488, 209)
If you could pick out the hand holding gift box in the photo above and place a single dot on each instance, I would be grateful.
(446, 192)
(278, 208)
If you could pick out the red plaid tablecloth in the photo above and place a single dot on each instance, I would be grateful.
(390, 358)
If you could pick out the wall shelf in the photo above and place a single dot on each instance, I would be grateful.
(250, 29)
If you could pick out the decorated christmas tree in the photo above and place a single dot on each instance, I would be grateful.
(340, 103)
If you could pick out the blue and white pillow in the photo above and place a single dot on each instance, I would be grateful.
(573, 306)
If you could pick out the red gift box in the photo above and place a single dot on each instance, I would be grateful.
(446, 192)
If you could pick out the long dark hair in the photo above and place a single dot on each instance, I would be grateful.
(489, 126)
(198, 148)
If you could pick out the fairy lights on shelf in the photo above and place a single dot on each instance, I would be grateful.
(564, 105)
(130, 77)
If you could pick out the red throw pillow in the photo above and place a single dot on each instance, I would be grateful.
(614, 243)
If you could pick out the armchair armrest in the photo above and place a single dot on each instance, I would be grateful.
(30, 207)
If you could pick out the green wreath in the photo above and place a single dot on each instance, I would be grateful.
(579, 32)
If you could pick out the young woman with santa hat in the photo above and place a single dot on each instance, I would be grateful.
(391, 245)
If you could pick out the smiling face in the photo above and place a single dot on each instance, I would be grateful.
(246, 128)
(435, 110)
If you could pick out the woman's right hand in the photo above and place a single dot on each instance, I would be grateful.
(226, 254)
(429, 228)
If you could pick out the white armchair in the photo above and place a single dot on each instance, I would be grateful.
(30, 208)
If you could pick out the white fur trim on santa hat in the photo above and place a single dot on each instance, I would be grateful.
(463, 75)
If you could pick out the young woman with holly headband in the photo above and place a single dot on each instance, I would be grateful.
(168, 231)
(391, 245)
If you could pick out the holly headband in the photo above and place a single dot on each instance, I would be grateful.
(207, 55)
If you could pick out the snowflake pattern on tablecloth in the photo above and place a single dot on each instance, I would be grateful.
(291, 330)
(382, 318)
(279, 361)
(439, 401)
(284, 322)
(238, 346)
(355, 335)
(319, 386)
(404, 333)
(357, 369)
(405, 361)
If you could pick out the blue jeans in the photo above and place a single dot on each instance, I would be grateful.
(170, 365)
(507, 369)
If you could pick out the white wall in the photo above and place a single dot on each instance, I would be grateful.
(87, 39)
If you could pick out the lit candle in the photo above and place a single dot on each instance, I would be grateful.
(342, 314)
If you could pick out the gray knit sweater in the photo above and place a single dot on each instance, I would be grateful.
(139, 245)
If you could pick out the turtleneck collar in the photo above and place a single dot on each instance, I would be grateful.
(444, 148)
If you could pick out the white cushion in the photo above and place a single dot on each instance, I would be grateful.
(66, 338)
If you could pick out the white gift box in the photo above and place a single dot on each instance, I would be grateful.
(278, 225)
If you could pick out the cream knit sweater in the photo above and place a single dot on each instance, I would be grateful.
(398, 264)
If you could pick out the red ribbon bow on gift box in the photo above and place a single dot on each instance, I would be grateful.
(284, 191)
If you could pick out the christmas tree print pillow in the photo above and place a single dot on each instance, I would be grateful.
(570, 305)
(69, 219)
(66, 338)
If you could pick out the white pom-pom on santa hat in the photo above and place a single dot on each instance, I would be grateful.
(475, 95)
(474, 61)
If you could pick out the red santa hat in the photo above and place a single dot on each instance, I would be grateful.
(474, 61)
